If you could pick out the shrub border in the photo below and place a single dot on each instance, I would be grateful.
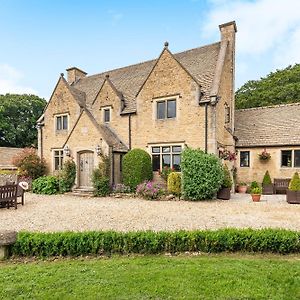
(149, 242)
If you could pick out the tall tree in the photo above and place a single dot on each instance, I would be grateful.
(280, 87)
(18, 116)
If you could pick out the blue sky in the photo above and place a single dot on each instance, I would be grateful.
(40, 39)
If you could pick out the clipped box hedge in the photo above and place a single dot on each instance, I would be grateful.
(150, 242)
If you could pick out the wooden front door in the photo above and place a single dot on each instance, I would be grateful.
(86, 166)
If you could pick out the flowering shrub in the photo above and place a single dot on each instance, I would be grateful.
(136, 168)
(227, 155)
(149, 190)
(265, 156)
(29, 163)
(164, 173)
(121, 188)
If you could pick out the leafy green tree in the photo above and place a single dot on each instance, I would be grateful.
(18, 116)
(279, 87)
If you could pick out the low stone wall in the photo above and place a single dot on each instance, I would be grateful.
(8, 177)
(6, 156)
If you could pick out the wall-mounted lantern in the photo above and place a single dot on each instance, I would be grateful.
(67, 150)
(98, 150)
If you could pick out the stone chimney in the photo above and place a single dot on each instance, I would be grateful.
(228, 31)
(74, 74)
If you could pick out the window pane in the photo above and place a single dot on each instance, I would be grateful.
(297, 159)
(176, 149)
(58, 123)
(176, 161)
(165, 149)
(155, 162)
(65, 122)
(245, 159)
(56, 153)
(171, 108)
(161, 114)
(106, 115)
(166, 160)
(56, 163)
(286, 158)
(155, 149)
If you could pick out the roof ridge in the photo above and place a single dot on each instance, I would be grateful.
(147, 61)
(269, 106)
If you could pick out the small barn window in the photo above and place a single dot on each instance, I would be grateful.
(286, 158)
(245, 158)
(297, 158)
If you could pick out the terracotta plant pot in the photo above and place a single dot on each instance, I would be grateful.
(242, 189)
(255, 197)
(268, 189)
(293, 197)
(224, 194)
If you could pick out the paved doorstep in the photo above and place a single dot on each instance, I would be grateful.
(66, 212)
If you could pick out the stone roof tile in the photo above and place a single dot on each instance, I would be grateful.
(199, 62)
(268, 126)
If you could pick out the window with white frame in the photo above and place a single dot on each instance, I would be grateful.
(61, 122)
(106, 115)
(166, 109)
(58, 157)
(163, 156)
(290, 158)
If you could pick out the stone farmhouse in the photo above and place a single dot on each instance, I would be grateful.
(161, 106)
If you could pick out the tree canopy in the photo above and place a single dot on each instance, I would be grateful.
(279, 87)
(18, 116)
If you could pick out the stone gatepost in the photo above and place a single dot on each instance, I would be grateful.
(7, 238)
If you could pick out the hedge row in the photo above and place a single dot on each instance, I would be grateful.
(149, 242)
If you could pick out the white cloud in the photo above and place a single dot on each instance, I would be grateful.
(10, 81)
(268, 30)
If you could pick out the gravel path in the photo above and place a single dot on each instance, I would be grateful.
(67, 212)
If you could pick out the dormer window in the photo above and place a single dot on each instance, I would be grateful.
(106, 113)
(61, 122)
(166, 109)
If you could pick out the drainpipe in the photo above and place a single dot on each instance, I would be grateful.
(206, 127)
(112, 165)
(40, 139)
(129, 131)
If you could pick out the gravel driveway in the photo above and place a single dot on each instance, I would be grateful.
(67, 212)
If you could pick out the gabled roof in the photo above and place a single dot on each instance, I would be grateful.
(105, 132)
(119, 94)
(78, 95)
(268, 126)
(200, 63)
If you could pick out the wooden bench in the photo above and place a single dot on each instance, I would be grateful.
(20, 192)
(281, 184)
(8, 195)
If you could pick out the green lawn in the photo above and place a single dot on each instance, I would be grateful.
(154, 277)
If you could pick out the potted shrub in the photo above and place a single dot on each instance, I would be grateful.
(267, 186)
(293, 192)
(242, 187)
(256, 193)
(224, 191)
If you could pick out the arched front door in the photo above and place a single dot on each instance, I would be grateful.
(86, 166)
